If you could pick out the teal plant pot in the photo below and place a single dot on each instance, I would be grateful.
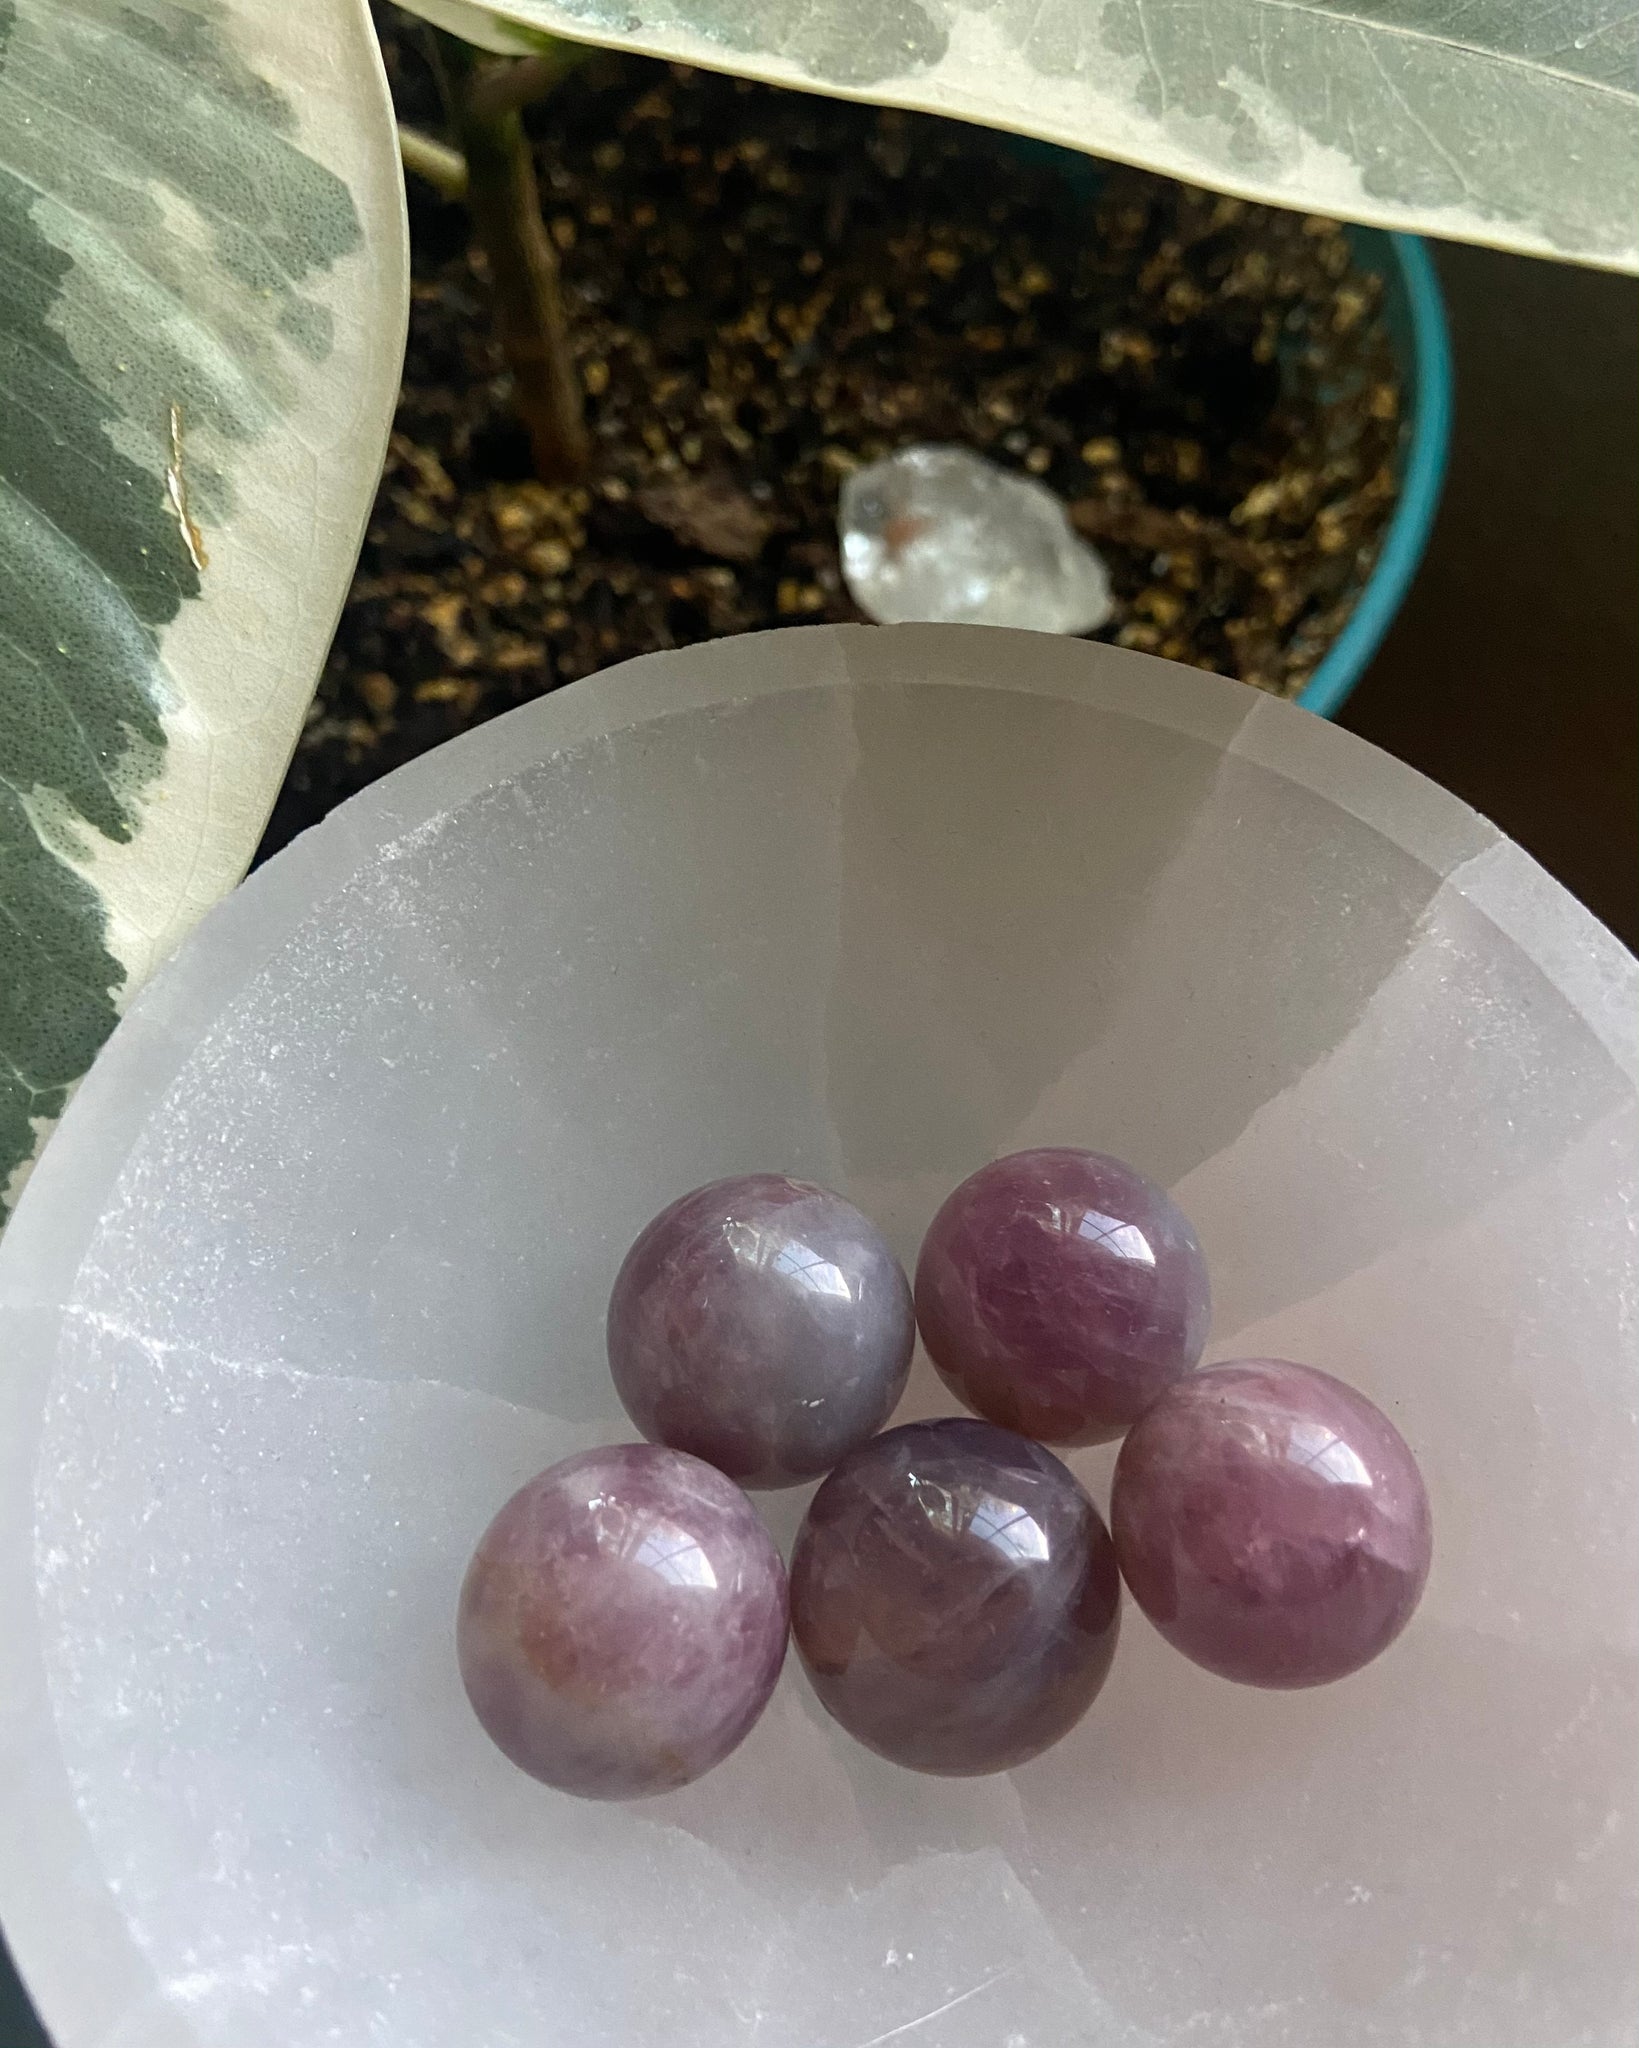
(1415, 312)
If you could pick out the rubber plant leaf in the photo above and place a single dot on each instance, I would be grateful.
(203, 289)
(1514, 123)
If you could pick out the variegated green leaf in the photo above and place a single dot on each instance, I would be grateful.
(203, 286)
(481, 26)
(1514, 122)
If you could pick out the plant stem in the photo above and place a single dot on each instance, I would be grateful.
(443, 168)
(505, 204)
(502, 86)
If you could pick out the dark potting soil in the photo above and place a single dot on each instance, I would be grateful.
(767, 289)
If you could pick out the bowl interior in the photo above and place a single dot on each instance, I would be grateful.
(314, 1277)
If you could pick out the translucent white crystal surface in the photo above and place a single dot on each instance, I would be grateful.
(943, 536)
(313, 1275)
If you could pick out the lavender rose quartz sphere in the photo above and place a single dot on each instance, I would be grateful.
(764, 1325)
(1272, 1523)
(1059, 1291)
(623, 1622)
(954, 1597)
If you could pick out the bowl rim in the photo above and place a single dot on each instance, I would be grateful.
(247, 926)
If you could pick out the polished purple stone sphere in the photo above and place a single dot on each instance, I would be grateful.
(622, 1622)
(1272, 1523)
(954, 1597)
(1059, 1291)
(763, 1324)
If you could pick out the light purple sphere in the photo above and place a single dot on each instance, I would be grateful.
(622, 1623)
(1058, 1292)
(954, 1597)
(763, 1324)
(1272, 1523)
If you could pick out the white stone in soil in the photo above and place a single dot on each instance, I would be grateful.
(940, 535)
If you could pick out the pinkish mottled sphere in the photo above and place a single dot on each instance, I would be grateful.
(763, 1324)
(1059, 1291)
(1272, 1523)
(954, 1597)
(622, 1623)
